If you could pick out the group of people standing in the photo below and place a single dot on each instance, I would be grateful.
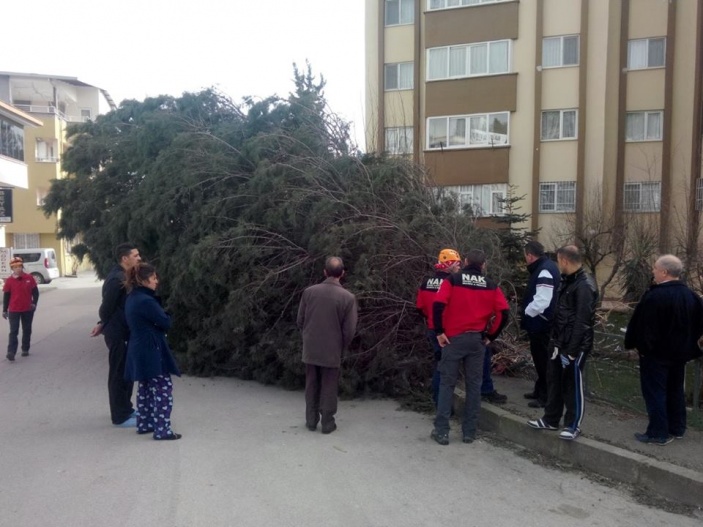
(134, 325)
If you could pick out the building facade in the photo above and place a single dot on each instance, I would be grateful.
(578, 105)
(55, 102)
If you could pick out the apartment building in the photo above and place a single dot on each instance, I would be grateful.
(580, 105)
(55, 102)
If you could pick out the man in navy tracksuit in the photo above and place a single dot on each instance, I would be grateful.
(572, 341)
(537, 312)
(469, 311)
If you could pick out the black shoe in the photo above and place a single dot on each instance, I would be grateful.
(170, 437)
(531, 395)
(644, 438)
(468, 439)
(494, 397)
(329, 429)
(25, 353)
(537, 404)
(442, 439)
(312, 428)
(10, 357)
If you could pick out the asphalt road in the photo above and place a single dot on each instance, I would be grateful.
(246, 458)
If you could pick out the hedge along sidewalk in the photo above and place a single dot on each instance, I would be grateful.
(651, 473)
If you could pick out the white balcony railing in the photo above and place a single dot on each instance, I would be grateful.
(51, 110)
(47, 159)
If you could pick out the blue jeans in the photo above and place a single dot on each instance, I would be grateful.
(469, 348)
(662, 389)
(487, 387)
(25, 317)
(432, 337)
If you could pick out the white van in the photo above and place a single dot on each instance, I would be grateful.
(40, 263)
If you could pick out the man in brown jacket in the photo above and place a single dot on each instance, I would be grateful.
(327, 317)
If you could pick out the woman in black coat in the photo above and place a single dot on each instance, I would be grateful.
(149, 359)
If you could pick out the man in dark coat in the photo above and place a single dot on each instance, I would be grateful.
(113, 327)
(327, 317)
(572, 341)
(665, 328)
(537, 312)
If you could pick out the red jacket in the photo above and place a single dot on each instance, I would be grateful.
(20, 293)
(470, 302)
(426, 295)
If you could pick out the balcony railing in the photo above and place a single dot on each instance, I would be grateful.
(47, 159)
(51, 110)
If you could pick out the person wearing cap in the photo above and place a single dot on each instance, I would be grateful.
(113, 327)
(19, 302)
(468, 313)
(448, 262)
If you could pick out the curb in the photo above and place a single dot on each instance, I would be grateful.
(669, 481)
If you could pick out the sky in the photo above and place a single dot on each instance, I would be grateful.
(141, 48)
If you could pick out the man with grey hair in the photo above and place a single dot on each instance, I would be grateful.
(327, 317)
(664, 329)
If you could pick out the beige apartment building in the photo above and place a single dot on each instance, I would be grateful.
(581, 105)
(54, 102)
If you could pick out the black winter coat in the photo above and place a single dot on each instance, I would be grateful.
(667, 323)
(572, 331)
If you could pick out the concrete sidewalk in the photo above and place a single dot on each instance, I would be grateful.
(606, 446)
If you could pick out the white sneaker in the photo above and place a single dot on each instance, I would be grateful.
(570, 434)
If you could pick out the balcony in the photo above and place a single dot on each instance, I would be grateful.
(51, 110)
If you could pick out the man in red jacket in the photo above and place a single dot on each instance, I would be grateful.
(469, 311)
(18, 304)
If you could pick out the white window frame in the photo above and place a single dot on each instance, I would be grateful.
(561, 63)
(699, 194)
(490, 45)
(647, 66)
(646, 132)
(401, 22)
(397, 137)
(435, 5)
(561, 137)
(46, 150)
(565, 189)
(483, 200)
(25, 240)
(399, 66)
(492, 139)
(642, 189)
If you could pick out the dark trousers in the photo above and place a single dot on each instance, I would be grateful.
(565, 390)
(437, 349)
(321, 386)
(469, 348)
(662, 385)
(119, 390)
(25, 317)
(539, 349)
(155, 403)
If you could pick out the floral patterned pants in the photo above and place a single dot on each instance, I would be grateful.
(154, 404)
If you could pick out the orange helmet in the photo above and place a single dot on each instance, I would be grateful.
(448, 256)
(16, 262)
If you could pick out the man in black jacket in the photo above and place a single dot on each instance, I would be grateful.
(665, 328)
(113, 327)
(572, 341)
(538, 307)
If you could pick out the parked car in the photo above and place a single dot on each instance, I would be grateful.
(40, 263)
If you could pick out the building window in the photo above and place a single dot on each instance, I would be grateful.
(25, 240)
(399, 76)
(643, 126)
(468, 60)
(559, 124)
(42, 192)
(461, 131)
(559, 196)
(47, 150)
(560, 51)
(400, 12)
(399, 140)
(85, 114)
(646, 53)
(699, 194)
(480, 200)
(11, 140)
(642, 196)
(448, 4)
